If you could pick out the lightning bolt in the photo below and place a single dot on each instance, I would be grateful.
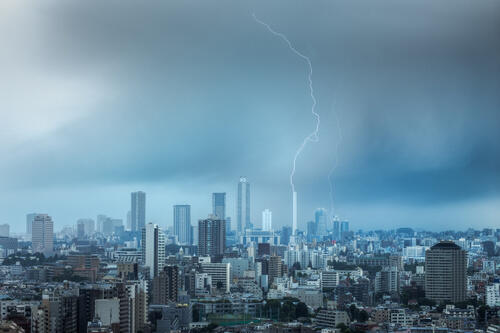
(313, 136)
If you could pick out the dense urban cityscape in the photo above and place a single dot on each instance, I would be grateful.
(218, 274)
(283, 166)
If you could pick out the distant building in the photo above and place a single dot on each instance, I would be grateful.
(29, 222)
(243, 205)
(43, 235)
(88, 226)
(445, 272)
(219, 205)
(344, 228)
(4, 230)
(138, 210)
(331, 318)
(182, 224)
(336, 228)
(320, 217)
(211, 236)
(153, 248)
(387, 280)
(267, 220)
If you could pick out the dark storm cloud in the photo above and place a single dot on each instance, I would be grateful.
(198, 91)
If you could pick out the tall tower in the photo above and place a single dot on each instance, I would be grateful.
(219, 205)
(153, 248)
(243, 205)
(320, 217)
(267, 220)
(138, 210)
(445, 272)
(43, 235)
(182, 224)
(211, 236)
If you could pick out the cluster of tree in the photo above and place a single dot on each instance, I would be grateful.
(29, 259)
(287, 309)
(356, 314)
(416, 293)
(345, 329)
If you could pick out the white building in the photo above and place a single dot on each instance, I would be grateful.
(43, 235)
(267, 220)
(493, 295)
(153, 248)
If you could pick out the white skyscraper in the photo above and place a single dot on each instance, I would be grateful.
(267, 220)
(243, 222)
(43, 235)
(153, 248)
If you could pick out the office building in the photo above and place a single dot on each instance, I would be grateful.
(275, 268)
(344, 228)
(138, 210)
(267, 220)
(153, 248)
(211, 236)
(4, 230)
(336, 228)
(220, 274)
(43, 235)
(387, 280)
(182, 224)
(29, 222)
(166, 285)
(219, 205)
(243, 205)
(88, 226)
(445, 272)
(320, 217)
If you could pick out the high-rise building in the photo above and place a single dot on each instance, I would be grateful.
(320, 217)
(100, 221)
(344, 228)
(286, 232)
(211, 236)
(445, 272)
(267, 220)
(311, 231)
(153, 248)
(4, 230)
(219, 205)
(29, 222)
(166, 285)
(336, 228)
(88, 226)
(275, 267)
(243, 205)
(129, 220)
(182, 224)
(138, 210)
(43, 235)
(228, 225)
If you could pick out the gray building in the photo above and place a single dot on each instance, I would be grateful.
(182, 224)
(219, 205)
(29, 222)
(445, 272)
(137, 210)
(243, 206)
(43, 235)
(211, 236)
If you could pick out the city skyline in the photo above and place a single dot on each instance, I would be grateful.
(414, 117)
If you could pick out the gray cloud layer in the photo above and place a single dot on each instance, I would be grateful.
(181, 98)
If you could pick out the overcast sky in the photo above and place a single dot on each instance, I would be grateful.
(180, 98)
